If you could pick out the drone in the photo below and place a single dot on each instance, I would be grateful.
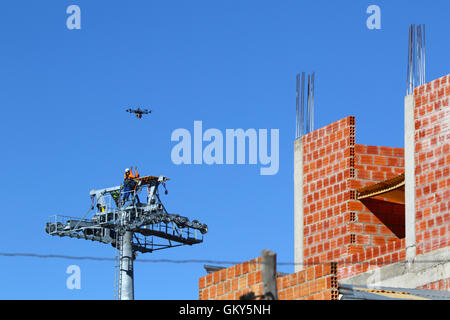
(139, 112)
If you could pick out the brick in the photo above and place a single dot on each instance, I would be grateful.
(237, 270)
(321, 284)
(234, 284)
(304, 290)
(209, 279)
(378, 176)
(386, 170)
(220, 289)
(370, 228)
(318, 271)
(242, 282)
(258, 277)
(355, 206)
(251, 279)
(362, 239)
(223, 275)
(385, 230)
(364, 217)
(289, 294)
(310, 273)
(372, 150)
(227, 286)
(230, 272)
(379, 241)
(215, 277)
(301, 276)
(355, 228)
(205, 294)
(359, 148)
(366, 159)
(398, 152)
(385, 151)
(393, 162)
(292, 279)
(285, 282)
(202, 282)
(245, 268)
(212, 292)
(363, 174)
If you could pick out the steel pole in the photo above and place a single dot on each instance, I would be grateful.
(126, 268)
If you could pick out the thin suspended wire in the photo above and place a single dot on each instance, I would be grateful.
(179, 261)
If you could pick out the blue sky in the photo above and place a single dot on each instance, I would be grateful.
(230, 64)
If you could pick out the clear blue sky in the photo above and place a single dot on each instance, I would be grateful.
(231, 64)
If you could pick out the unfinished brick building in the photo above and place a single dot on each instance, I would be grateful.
(364, 215)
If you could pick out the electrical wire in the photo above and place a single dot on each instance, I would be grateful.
(178, 261)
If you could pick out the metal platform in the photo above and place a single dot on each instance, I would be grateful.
(110, 214)
(103, 228)
(120, 218)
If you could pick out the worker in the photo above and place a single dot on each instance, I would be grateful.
(101, 203)
(129, 173)
(128, 183)
(116, 197)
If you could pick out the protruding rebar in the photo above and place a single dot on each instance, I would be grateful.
(302, 101)
(312, 101)
(416, 67)
(304, 118)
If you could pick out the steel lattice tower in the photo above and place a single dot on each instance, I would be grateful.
(130, 226)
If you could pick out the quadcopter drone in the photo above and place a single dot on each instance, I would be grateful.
(139, 112)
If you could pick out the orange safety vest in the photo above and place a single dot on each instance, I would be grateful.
(129, 174)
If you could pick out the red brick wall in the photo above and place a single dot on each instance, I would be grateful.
(328, 164)
(432, 164)
(375, 221)
(335, 223)
(314, 283)
(374, 164)
(443, 285)
(370, 258)
(359, 235)
(231, 283)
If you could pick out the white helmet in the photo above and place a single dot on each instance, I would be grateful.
(127, 170)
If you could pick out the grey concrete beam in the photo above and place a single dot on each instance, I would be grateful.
(269, 273)
(424, 269)
(298, 204)
(410, 180)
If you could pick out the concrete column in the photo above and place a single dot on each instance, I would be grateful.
(126, 268)
(410, 180)
(269, 273)
(298, 204)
